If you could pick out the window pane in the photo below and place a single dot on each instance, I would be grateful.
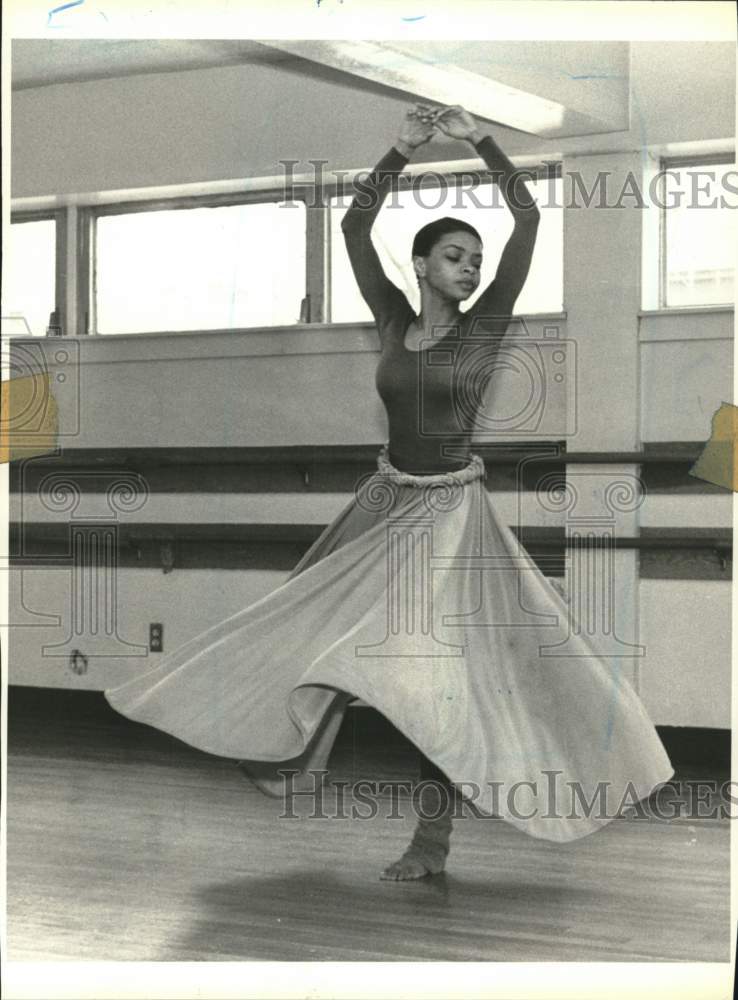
(29, 285)
(700, 236)
(404, 213)
(200, 268)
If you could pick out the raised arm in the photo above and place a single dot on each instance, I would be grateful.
(382, 296)
(499, 297)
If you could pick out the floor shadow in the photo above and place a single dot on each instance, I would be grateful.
(321, 916)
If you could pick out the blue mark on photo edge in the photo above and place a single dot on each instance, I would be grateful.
(64, 6)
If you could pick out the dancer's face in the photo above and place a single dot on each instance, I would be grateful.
(452, 266)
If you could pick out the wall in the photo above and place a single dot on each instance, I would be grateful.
(292, 385)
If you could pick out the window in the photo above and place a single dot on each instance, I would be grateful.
(219, 267)
(698, 233)
(406, 211)
(29, 285)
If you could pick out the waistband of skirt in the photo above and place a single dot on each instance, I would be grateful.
(474, 470)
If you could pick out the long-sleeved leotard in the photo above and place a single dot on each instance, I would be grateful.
(431, 406)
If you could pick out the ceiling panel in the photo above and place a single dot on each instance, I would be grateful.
(39, 62)
(543, 88)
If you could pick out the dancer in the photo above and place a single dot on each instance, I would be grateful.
(429, 439)
(417, 598)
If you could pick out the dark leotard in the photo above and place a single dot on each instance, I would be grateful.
(431, 395)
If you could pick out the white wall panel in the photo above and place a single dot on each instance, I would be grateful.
(685, 627)
(187, 602)
(683, 382)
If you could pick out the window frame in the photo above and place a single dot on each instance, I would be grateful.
(76, 225)
(667, 163)
(59, 217)
(87, 243)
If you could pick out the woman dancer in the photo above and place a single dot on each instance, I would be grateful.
(428, 439)
(417, 599)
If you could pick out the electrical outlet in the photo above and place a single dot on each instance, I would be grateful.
(156, 637)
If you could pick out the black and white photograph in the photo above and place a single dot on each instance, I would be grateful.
(367, 466)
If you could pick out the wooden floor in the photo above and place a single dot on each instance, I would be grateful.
(126, 845)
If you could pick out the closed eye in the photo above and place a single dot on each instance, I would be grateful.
(474, 263)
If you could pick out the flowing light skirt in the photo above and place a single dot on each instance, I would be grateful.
(418, 600)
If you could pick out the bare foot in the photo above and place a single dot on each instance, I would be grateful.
(427, 852)
(404, 870)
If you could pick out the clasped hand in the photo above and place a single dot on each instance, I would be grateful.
(424, 121)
